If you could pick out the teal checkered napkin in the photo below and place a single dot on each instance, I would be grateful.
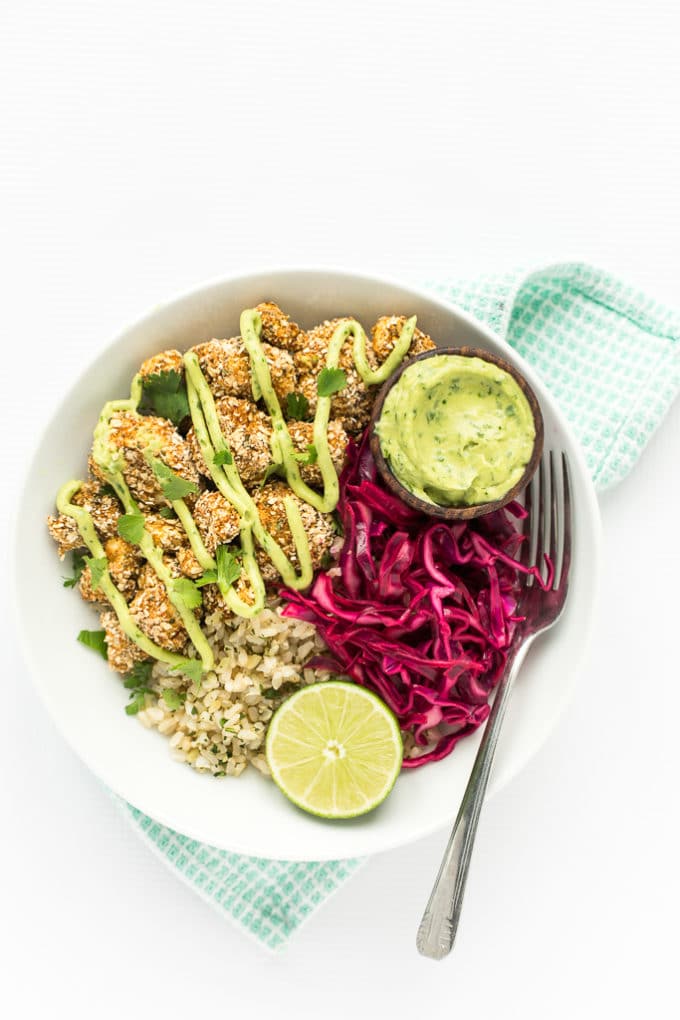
(611, 358)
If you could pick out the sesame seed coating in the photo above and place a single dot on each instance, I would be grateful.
(226, 366)
(122, 653)
(154, 613)
(216, 519)
(278, 329)
(101, 505)
(165, 361)
(385, 334)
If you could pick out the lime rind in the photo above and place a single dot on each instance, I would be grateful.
(334, 749)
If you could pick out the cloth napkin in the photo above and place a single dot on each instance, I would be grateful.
(611, 358)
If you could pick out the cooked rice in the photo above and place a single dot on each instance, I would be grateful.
(221, 728)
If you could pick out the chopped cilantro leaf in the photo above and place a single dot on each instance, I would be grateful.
(78, 565)
(310, 456)
(297, 406)
(228, 567)
(188, 592)
(96, 640)
(139, 675)
(165, 394)
(191, 668)
(168, 513)
(97, 568)
(131, 527)
(330, 381)
(223, 457)
(172, 485)
(272, 469)
(137, 701)
(209, 577)
(174, 699)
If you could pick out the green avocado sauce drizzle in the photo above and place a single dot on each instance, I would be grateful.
(225, 475)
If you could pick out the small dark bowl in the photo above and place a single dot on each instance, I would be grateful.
(456, 513)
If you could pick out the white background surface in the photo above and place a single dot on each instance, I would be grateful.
(146, 146)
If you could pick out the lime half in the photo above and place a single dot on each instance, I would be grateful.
(334, 749)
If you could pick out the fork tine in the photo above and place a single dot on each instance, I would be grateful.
(538, 517)
(525, 550)
(553, 548)
(566, 504)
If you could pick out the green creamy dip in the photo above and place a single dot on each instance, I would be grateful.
(456, 430)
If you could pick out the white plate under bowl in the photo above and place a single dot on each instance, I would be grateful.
(86, 699)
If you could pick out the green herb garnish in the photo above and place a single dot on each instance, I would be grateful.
(96, 640)
(78, 565)
(188, 592)
(165, 394)
(131, 527)
(272, 469)
(330, 381)
(297, 406)
(223, 457)
(168, 513)
(174, 699)
(194, 670)
(228, 566)
(310, 456)
(97, 568)
(173, 486)
(139, 675)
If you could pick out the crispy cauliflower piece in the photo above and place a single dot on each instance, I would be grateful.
(125, 563)
(226, 366)
(165, 361)
(385, 334)
(122, 653)
(248, 431)
(278, 329)
(167, 533)
(133, 436)
(216, 519)
(188, 564)
(154, 613)
(104, 509)
(272, 512)
(302, 436)
(351, 405)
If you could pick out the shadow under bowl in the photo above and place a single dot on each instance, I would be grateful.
(462, 512)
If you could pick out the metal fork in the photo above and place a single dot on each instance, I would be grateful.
(548, 502)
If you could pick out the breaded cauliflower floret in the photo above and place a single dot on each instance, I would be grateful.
(188, 564)
(278, 329)
(302, 435)
(385, 334)
(168, 534)
(216, 519)
(104, 509)
(135, 436)
(248, 432)
(350, 405)
(122, 653)
(124, 563)
(226, 366)
(272, 512)
(165, 361)
(154, 613)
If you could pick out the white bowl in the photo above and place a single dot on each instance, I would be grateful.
(86, 699)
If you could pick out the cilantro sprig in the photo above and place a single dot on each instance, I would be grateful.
(165, 394)
(172, 485)
(228, 569)
(131, 528)
(330, 381)
(297, 406)
(137, 683)
(174, 699)
(96, 640)
(191, 668)
(188, 592)
(77, 565)
(310, 456)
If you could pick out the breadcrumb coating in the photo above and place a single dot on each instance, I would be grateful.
(351, 405)
(248, 432)
(122, 653)
(226, 366)
(154, 613)
(135, 435)
(302, 435)
(385, 334)
(278, 329)
(216, 519)
(167, 533)
(272, 512)
(104, 509)
(165, 361)
(188, 564)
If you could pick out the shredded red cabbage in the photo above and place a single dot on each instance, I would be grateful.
(420, 611)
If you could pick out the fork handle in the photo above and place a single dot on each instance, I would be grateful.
(437, 931)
